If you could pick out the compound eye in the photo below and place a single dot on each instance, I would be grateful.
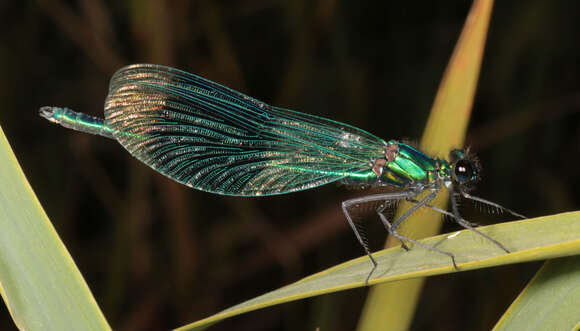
(464, 171)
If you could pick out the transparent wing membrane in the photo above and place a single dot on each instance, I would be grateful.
(215, 139)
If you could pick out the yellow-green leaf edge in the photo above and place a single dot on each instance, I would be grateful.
(529, 240)
(551, 301)
(39, 281)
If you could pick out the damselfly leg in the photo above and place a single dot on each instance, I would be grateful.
(386, 197)
(489, 203)
(392, 229)
(464, 223)
(410, 196)
(418, 204)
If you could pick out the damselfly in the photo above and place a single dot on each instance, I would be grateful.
(218, 140)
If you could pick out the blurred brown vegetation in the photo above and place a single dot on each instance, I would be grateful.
(159, 255)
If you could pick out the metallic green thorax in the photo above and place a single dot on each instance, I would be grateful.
(405, 165)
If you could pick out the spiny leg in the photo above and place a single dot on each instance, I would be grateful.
(366, 199)
(487, 202)
(402, 238)
(393, 228)
(388, 225)
(464, 223)
(442, 211)
(418, 205)
(360, 240)
(454, 207)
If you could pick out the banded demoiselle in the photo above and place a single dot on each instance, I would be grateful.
(218, 140)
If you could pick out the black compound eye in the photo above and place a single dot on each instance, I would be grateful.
(464, 171)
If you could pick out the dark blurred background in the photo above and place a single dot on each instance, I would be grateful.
(159, 255)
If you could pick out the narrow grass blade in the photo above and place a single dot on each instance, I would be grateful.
(551, 301)
(532, 239)
(39, 281)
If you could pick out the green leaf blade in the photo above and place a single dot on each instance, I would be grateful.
(530, 240)
(551, 301)
(39, 280)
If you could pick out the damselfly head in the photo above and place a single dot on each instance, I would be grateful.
(465, 167)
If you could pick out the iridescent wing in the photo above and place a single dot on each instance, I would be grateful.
(218, 140)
